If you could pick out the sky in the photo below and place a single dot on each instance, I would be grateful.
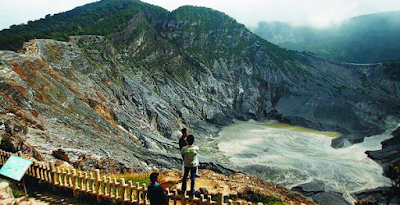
(317, 13)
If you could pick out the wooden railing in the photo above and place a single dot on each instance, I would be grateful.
(103, 187)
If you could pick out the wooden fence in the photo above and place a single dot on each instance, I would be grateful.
(103, 187)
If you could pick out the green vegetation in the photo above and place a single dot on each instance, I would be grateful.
(135, 177)
(363, 39)
(211, 34)
(252, 196)
(99, 18)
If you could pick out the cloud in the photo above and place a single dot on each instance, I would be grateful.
(249, 12)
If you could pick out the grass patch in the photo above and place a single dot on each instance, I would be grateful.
(135, 177)
(252, 196)
(302, 129)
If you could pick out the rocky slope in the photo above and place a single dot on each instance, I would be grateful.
(126, 95)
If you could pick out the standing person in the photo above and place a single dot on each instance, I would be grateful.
(190, 162)
(183, 143)
(155, 192)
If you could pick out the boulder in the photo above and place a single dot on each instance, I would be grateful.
(347, 140)
(5, 191)
(61, 154)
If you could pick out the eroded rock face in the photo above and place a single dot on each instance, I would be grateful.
(389, 154)
(321, 194)
(378, 196)
(126, 96)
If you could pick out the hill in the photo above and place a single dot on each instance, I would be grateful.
(363, 39)
(99, 18)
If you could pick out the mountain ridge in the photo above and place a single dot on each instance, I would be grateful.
(368, 38)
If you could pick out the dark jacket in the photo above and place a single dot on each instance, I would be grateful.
(156, 195)
(182, 143)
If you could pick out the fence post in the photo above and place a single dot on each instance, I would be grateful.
(175, 195)
(37, 171)
(168, 194)
(183, 198)
(81, 181)
(115, 188)
(64, 177)
(130, 190)
(91, 183)
(98, 180)
(144, 194)
(69, 179)
(50, 173)
(209, 199)
(74, 184)
(220, 200)
(104, 187)
(54, 176)
(201, 199)
(122, 186)
(137, 193)
(109, 187)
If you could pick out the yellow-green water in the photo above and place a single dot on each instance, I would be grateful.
(301, 129)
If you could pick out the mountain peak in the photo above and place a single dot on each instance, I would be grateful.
(98, 18)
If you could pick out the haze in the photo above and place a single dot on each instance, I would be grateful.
(318, 13)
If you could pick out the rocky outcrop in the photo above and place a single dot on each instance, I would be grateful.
(389, 154)
(321, 194)
(347, 140)
(60, 154)
(378, 196)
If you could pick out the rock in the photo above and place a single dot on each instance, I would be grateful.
(389, 154)
(105, 164)
(321, 194)
(9, 144)
(5, 191)
(313, 186)
(61, 154)
(347, 140)
(330, 198)
(378, 196)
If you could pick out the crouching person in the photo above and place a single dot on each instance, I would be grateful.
(191, 163)
(155, 192)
